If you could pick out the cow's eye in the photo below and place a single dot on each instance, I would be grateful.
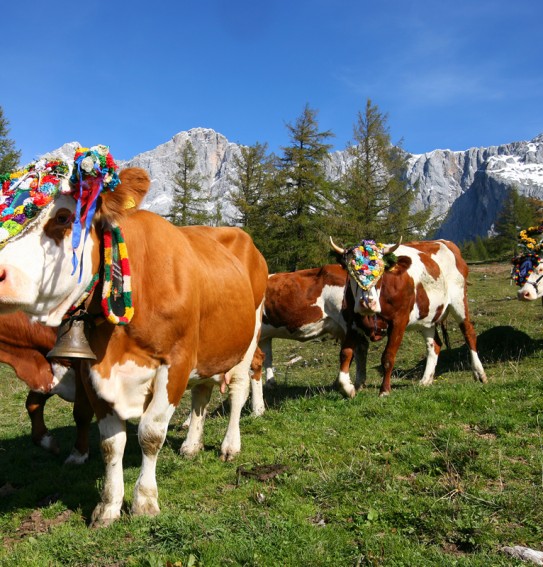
(63, 217)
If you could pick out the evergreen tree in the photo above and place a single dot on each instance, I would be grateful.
(296, 208)
(189, 204)
(9, 157)
(252, 168)
(373, 199)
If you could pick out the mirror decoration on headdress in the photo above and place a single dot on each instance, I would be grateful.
(26, 192)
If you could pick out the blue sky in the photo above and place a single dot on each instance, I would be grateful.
(132, 74)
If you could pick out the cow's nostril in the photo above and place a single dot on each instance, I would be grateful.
(3, 274)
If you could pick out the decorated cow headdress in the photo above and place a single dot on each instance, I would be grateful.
(366, 262)
(530, 254)
(26, 193)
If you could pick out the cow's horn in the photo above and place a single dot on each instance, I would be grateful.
(336, 247)
(392, 247)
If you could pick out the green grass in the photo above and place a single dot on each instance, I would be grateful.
(445, 475)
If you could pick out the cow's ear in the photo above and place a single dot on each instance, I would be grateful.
(127, 195)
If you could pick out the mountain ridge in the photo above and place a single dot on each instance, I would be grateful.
(464, 188)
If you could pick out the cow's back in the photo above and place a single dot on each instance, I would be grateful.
(305, 304)
(242, 246)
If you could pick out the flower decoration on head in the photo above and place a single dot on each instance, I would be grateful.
(526, 238)
(26, 192)
(530, 254)
(365, 263)
(94, 171)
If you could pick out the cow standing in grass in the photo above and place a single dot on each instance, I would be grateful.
(192, 308)
(423, 283)
(302, 306)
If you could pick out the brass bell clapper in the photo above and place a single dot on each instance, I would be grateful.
(72, 339)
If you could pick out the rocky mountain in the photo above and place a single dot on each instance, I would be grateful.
(465, 189)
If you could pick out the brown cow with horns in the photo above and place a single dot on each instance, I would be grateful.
(423, 284)
(193, 306)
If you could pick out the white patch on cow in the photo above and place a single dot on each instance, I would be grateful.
(345, 385)
(366, 302)
(63, 382)
(126, 388)
(37, 272)
(533, 286)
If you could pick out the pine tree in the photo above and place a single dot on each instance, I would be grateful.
(298, 199)
(9, 157)
(373, 199)
(252, 167)
(188, 205)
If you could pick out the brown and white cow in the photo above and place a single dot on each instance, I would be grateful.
(426, 283)
(24, 346)
(197, 309)
(302, 306)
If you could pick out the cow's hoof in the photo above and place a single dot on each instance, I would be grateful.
(49, 443)
(145, 506)
(227, 457)
(104, 515)
(424, 382)
(259, 411)
(76, 458)
(383, 394)
(191, 450)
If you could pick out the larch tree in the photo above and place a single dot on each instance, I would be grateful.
(9, 156)
(249, 181)
(297, 204)
(189, 205)
(373, 200)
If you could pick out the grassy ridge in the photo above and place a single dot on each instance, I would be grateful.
(445, 475)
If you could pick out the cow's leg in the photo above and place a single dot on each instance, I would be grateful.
(239, 392)
(83, 414)
(35, 404)
(395, 337)
(461, 314)
(471, 340)
(112, 443)
(200, 396)
(361, 359)
(266, 347)
(433, 348)
(152, 431)
(257, 395)
(346, 354)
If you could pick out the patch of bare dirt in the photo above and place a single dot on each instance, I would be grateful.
(35, 524)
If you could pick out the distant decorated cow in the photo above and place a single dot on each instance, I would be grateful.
(414, 285)
(527, 271)
(170, 306)
(302, 306)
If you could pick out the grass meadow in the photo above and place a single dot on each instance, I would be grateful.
(439, 476)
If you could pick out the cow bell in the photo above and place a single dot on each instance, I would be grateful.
(72, 341)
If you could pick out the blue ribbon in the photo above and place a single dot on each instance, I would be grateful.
(76, 230)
